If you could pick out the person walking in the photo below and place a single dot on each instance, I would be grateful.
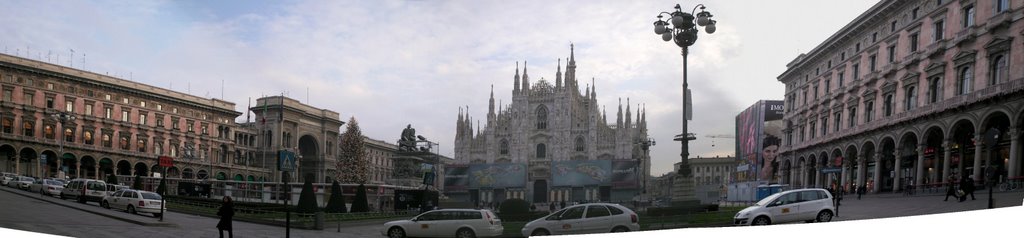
(551, 207)
(967, 184)
(861, 190)
(950, 189)
(226, 212)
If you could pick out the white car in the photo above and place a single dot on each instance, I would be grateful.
(134, 201)
(111, 188)
(7, 177)
(22, 182)
(51, 187)
(460, 223)
(85, 190)
(810, 205)
(584, 219)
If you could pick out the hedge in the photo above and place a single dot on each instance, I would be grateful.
(680, 210)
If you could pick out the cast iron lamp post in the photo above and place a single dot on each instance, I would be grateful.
(63, 118)
(645, 144)
(683, 32)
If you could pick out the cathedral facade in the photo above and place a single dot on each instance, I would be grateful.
(552, 143)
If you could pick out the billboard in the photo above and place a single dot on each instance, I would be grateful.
(771, 139)
(456, 177)
(624, 174)
(747, 131)
(581, 172)
(497, 175)
(758, 137)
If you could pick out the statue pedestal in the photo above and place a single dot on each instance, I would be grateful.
(683, 190)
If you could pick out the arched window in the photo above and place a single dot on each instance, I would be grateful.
(541, 151)
(965, 81)
(911, 98)
(998, 70)
(87, 137)
(504, 147)
(48, 131)
(542, 117)
(934, 89)
(580, 145)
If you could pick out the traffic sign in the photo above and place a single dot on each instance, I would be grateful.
(286, 161)
(166, 161)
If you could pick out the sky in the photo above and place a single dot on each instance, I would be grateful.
(393, 63)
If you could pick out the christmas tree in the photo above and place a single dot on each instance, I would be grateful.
(352, 166)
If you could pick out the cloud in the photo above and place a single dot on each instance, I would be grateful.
(392, 63)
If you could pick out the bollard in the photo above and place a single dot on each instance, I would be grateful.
(319, 220)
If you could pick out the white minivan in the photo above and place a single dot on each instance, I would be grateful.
(85, 190)
(810, 205)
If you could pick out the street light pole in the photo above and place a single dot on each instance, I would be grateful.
(62, 117)
(645, 144)
(684, 33)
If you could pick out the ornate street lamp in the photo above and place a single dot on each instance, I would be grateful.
(683, 31)
(645, 144)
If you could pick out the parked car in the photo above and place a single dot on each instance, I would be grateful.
(460, 223)
(85, 190)
(810, 205)
(7, 177)
(111, 188)
(48, 187)
(584, 219)
(22, 182)
(133, 201)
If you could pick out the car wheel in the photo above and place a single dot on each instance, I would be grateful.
(104, 204)
(131, 209)
(465, 233)
(761, 221)
(824, 216)
(396, 232)
(620, 229)
(540, 232)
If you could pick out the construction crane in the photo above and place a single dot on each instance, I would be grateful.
(718, 136)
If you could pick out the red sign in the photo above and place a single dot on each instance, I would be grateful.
(166, 161)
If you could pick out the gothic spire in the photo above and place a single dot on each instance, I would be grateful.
(570, 70)
(517, 78)
(490, 109)
(618, 116)
(643, 117)
(593, 91)
(628, 114)
(558, 75)
(604, 114)
(458, 124)
(526, 79)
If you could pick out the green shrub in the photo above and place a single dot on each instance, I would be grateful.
(680, 210)
(137, 185)
(307, 200)
(337, 202)
(360, 204)
(514, 206)
(112, 179)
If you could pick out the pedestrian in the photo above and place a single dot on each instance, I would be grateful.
(551, 207)
(226, 211)
(533, 207)
(861, 190)
(950, 189)
(967, 184)
(561, 205)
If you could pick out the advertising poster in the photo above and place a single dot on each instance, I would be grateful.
(748, 125)
(771, 139)
(581, 172)
(497, 175)
(456, 177)
(624, 174)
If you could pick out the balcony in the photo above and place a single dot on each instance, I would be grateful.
(967, 34)
(937, 47)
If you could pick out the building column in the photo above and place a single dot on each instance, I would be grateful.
(96, 169)
(878, 173)
(861, 170)
(17, 165)
(920, 164)
(817, 175)
(978, 145)
(897, 171)
(842, 174)
(947, 155)
(1014, 153)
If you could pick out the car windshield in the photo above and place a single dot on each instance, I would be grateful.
(27, 179)
(52, 182)
(150, 196)
(765, 201)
